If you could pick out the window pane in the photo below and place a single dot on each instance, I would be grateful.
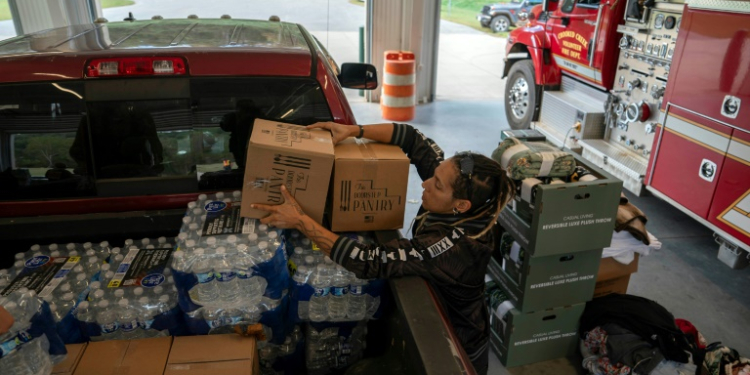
(141, 138)
(38, 124)
(226, 110)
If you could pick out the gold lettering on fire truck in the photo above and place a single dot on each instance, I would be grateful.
(569, 48)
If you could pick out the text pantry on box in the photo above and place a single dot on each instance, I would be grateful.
(369, 186)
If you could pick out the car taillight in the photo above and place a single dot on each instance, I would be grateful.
(136, 66)
(512, 11)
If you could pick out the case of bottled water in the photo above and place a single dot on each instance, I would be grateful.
(31, 346)
(226, 266)
(72, 266)
(322, 291)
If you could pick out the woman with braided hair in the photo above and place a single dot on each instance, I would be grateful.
(452, 238)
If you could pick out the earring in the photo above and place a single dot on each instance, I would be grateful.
(455, 211)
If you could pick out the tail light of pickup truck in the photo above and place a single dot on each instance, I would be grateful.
(136, 66)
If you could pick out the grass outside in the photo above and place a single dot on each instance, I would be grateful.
(116, 3)
(5, 8)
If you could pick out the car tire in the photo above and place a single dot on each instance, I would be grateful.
(500, 24)
(521, 95)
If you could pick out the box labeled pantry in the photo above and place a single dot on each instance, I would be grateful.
(368, 187)
(291, 155)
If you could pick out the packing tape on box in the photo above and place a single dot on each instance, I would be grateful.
(527, 187)
(370, 169)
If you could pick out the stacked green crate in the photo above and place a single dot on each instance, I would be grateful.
(546, 265)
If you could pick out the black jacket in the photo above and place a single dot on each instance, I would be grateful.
(443, 254)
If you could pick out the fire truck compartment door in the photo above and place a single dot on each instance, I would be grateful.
(730, 209)
(689, 159)
(712, 72)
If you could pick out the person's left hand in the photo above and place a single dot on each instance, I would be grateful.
(286, 215)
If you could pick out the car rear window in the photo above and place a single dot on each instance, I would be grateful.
(135, 137)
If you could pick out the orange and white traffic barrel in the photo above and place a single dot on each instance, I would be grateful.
(397, 100)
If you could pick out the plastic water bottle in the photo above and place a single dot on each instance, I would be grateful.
(107, 320)
(179, 261)
(297, 259)
(86, 317)
(226, 278)
(357, 299)
(93, 264)
(127, 320)
(204, 272)
(321, 282)
(212, 316)
(146, 316)
(103, 249)
(252, 286)
(237, 195)
(264, 253)
(337, 302)
(300, 278)
(81, 282)
(70, 247)
(67, 302)
(252, 239)
(211, 242)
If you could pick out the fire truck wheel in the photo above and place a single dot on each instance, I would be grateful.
(521, 95)
(500, 24)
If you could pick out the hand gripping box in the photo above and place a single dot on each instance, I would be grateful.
(291, 155)
(368, 190)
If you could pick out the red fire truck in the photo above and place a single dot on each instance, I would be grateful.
(651, 91)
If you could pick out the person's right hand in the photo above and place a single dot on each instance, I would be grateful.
(340, 132)
(6, 320)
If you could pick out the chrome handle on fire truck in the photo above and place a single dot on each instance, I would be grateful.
(592, 45)
(730, 107)
(707, 170)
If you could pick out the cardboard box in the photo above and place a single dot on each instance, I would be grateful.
(122, 357)
(291, 155)
(368, 187)
(523, 338)
(225, 354)
(614, 276)
(68, 366)
(536, 283)
(568, 217)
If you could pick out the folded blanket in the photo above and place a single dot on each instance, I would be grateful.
(533, 159)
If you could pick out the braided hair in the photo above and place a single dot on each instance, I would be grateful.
(489, 191)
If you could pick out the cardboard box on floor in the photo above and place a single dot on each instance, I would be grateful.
(369, 186)
(221, 354)
(68, 366)
(614, 276)
(284, 154)
(123, 357)
(523, 338)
